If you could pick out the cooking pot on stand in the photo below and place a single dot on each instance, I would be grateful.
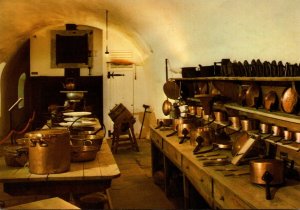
(267, 172)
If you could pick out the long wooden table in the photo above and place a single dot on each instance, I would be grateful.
(223, 192)
(83, 177)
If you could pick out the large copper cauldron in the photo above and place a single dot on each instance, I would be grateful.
(49, 151)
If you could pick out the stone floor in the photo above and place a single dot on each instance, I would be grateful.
(134, 189)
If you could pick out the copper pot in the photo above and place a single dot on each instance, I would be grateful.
(205, 132)
(267, 172)
(182, 127)
(235, 121)
(199, 111)
(83, 153)
(276, 130)
(264, 128)
(297, 137)
(192, 110)
(164, 123)
(287, 135)
(249, 124)
(49, 151)
(220, 116)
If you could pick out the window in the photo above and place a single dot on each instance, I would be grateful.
(21, 89)
(2, 65)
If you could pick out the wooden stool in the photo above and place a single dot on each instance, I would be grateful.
(123, 125)
(124, 132)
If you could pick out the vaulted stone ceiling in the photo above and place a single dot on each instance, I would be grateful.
(212, 29)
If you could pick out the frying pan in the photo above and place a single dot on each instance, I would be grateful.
(253, 96)
(274, 69)
(267, 69)
(167, 106)
(270, 101)
(281, 69)
(247, 69)
(259, 68)
(289, 99)
(171, 89)
(253, 68)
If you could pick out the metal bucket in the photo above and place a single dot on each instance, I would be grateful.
(49, 151)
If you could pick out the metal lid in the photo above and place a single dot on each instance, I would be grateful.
(47, 133)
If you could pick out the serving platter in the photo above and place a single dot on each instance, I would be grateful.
(72, 119)
(77, 124)
(77, 114)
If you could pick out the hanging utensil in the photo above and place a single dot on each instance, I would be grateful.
(171, 90)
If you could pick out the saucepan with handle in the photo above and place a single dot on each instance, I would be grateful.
(267, 172)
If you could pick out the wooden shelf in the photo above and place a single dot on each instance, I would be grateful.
(262, 112)
(259, 79)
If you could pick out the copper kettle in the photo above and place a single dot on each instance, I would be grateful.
(69, 84)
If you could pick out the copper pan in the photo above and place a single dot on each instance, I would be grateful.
(289, 99)
(249, 124)
(171, 89)
(166, 107)
(175, 125)
(270, 101)
(253, 96)
(235, 121)
(220, 116)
